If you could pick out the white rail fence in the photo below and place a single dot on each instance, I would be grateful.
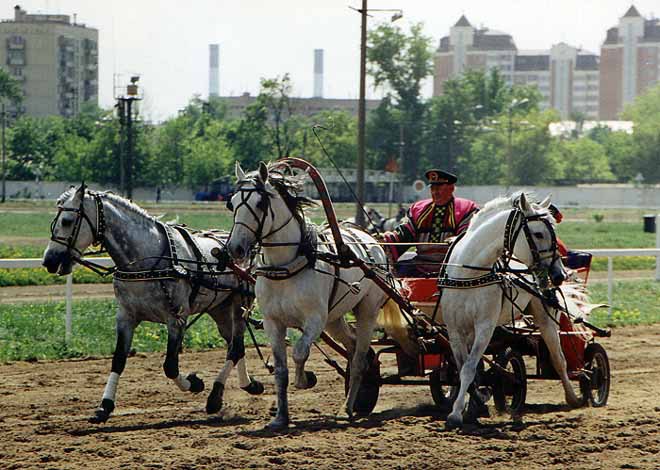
(610, 254)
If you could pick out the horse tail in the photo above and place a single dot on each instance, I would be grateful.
(396, 327)
(577, 300)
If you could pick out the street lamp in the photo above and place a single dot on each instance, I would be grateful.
(4, 168)
(359, 215)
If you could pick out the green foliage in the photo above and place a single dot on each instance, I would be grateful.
(645, 113)
(582, 160)
(10, 88)
(634, 302)
(598, 217)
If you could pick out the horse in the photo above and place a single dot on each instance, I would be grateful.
(298, 284)
(474, 303)
(163, 274)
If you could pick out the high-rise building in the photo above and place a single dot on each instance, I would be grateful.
(566, 77)
(630, 61)
(318, 73)
(214, 70)
(55, 61)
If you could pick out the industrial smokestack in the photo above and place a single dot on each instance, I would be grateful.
(318, 73)
(214, 70)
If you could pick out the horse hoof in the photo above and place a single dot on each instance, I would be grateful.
(254, 387)
(311, 379)
(453, 423)
(196, 384)
(214, 401)
(278, 424)
(102, 413)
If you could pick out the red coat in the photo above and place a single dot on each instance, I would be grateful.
(421, 226)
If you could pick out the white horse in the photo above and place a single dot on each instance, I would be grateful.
(295, 287)
(471, 314)
(164, 274)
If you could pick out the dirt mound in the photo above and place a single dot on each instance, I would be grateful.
(45, 406)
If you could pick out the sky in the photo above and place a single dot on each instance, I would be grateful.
(165, 42)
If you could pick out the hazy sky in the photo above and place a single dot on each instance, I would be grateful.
(166, 41)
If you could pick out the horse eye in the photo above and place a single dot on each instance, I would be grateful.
(538, 235)
(66, 222)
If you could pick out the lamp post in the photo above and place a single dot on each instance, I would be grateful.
(359, 215)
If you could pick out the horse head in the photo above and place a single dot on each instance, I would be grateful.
(74, 228)
(258, 207)
(538, 248)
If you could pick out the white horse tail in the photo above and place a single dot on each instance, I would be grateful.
(577, 300)
(396, 327)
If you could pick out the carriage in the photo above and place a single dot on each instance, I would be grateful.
(503, 371)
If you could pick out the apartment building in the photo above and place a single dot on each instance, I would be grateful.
(567, 77)
(54, 59)
(630, 61)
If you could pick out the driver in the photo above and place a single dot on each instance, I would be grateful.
(432, 220)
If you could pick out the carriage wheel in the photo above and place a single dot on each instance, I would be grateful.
(367, 395)
(596, 386)
(510, 391)
(443, 395)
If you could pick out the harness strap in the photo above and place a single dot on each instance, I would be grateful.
(285, 271)
(468, 283)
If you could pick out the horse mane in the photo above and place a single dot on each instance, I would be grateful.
(114, 198)
(499, 204)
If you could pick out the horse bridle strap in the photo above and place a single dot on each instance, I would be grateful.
(98, 229)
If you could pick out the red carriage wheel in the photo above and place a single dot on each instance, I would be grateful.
(595, 386)
(510, 390)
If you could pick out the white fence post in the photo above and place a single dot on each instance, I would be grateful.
(610, 280)
(69, 299)
(657, 245)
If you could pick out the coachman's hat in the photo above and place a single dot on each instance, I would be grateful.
(440, 177)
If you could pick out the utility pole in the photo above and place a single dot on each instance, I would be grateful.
(125, 111)
(4, 167)
(359, 215)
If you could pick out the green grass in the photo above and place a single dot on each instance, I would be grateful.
(37, 331)
(634, 303)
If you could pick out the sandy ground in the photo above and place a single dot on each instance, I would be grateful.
(45, 405)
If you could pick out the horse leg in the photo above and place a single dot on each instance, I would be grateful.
(276, 332)
(311, 331)
(342, 332)
(125, 329)
(482, 335)
(366, 314)
(550, 333)
(190, 383)
(231, 327)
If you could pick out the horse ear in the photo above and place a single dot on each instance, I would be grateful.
(263, 172)
(240, 174)
(80, 192)
(524, 204)
(545, 203)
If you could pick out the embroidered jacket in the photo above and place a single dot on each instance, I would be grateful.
(428, 222)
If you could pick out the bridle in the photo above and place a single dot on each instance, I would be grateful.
(98, 232)
(264, 205)
(520, 221)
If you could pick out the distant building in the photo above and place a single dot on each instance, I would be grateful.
(566, 77)
(55, 60)
(630, 61)
(304, 106)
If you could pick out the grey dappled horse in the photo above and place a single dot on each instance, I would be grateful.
(164, 274)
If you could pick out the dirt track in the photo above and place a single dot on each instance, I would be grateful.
(45, 406)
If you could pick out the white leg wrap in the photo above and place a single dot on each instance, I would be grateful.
(224, 373)
(111, 386)
(182, 383)
(243, 377)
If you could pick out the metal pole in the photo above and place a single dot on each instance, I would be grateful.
(509, 156)
(4, 174)
(359, 216)
(129, 145)
(122, 126)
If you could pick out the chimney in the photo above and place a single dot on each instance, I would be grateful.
(214, 70)
(318, 73)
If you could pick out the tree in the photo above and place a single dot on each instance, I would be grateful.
(274, 97)
(337, 134)
(10, 89)
(401, 62)
(645, 113)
